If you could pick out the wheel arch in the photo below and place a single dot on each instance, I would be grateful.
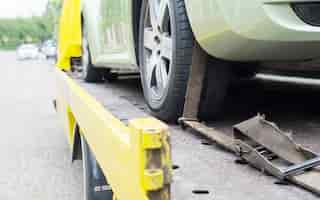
(136, 12)
(197, 21)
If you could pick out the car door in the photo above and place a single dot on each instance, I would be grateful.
(116, 34)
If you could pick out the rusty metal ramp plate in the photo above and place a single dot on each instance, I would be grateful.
(262, 144)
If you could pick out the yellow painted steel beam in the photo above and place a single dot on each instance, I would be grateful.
(136, 158)
(70, 33)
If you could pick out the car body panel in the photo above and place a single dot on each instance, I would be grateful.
(109, 29)
(91, 29)
(258, 30)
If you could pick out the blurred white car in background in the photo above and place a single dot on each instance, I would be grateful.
(27, 51)
(49, 49)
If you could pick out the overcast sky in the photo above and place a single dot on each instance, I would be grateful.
(21, 8)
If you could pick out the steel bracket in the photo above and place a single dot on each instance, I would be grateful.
(262, 144)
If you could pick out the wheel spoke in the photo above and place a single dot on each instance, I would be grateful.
(166, 47)
(153, 14)
(164, 72)
(159, 80)
(161, 75)
(163, 15)
(149, 42)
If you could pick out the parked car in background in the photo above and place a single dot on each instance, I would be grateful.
(49, 49)
(27, 51)
(157, 38)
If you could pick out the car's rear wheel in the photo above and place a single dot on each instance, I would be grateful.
(96, 186)
(165, 50)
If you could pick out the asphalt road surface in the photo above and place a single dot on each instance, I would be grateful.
(35, 158)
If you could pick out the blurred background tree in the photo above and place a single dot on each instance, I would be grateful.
(36, 29)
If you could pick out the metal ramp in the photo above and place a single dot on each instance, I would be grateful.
(257, 141)
(263, 145)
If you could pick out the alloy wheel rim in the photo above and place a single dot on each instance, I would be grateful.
(157, 44)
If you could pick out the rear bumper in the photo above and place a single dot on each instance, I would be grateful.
(259, 30)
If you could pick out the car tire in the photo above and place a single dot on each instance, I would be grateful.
(169, 105)
(166, 103)
(89, 72)
(95, 186)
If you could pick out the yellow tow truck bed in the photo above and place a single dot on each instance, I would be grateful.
(143, 158)
(115, 121)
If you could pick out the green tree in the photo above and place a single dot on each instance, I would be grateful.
(31, 29)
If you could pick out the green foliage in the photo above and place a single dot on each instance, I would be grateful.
(30, 30)
(21, 30)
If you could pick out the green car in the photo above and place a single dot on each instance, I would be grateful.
(156, 38)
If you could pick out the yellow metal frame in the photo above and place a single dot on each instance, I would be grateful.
(70, 33)
(136, 159)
